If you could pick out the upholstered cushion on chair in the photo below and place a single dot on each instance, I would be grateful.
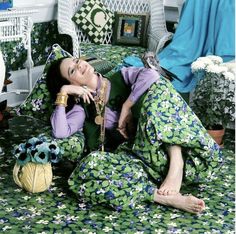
(38, 104)
(100, 65)
(95, 20)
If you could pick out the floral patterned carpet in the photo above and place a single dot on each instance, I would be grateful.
(57, 210)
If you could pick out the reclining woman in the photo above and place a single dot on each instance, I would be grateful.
(151, 136)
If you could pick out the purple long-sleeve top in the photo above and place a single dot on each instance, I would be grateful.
(65, 124)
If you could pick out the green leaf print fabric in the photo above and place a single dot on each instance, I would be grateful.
(115, 180)
(125, 179)
(166, 120)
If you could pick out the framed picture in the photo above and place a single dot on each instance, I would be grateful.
(130, 29)
(5, 4)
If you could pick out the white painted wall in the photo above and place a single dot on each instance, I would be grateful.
(46, 9)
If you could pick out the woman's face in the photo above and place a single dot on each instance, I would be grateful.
(76, 71)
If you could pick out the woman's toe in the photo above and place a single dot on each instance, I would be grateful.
(160, 191)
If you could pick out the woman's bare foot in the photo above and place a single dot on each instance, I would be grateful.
(173, 181)
(183, 202)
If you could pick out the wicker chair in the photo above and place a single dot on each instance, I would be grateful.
(158, 33)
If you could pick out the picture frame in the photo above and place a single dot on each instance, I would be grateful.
(130, 29)
(5, 4)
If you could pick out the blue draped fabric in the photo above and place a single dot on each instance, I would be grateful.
(205, 27)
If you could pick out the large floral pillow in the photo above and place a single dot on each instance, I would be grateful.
(69, 148)
(38, 104)
(95, 20)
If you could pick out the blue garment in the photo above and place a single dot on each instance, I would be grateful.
(205, 27)
(133, 61)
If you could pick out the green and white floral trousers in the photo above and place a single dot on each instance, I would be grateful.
(126, 178)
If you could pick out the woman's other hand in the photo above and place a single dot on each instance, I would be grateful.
(79, 91)
(125, 120)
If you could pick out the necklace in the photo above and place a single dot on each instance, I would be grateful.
(100, 102)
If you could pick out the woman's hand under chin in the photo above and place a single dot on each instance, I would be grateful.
(79, 91)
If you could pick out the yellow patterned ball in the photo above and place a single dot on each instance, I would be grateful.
(33, 177)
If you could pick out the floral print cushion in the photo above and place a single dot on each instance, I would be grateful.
(43, 148)
(38, 104)
(25, 129)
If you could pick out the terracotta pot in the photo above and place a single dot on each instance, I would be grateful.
(217, 135)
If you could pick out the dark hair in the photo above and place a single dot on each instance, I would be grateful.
(55, 80)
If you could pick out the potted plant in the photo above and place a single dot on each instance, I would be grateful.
(213, 98)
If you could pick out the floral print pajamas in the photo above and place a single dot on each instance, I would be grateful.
(126, 178)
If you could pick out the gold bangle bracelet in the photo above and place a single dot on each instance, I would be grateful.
(61, 99)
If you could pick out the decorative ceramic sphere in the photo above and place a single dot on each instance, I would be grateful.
(33, 177)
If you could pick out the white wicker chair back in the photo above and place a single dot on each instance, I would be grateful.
(157, 28)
